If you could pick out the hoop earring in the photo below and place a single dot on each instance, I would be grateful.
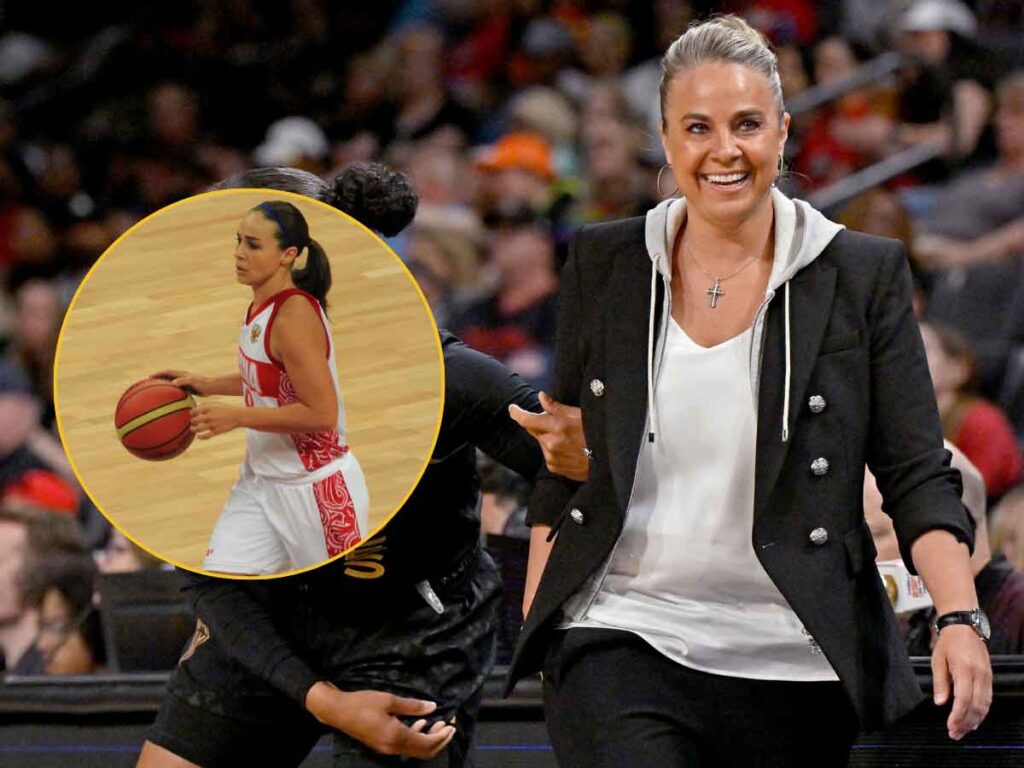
(662, 194)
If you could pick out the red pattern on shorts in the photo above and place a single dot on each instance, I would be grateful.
(315, 449)
(337, 513)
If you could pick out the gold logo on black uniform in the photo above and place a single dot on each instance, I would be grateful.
(367, 560)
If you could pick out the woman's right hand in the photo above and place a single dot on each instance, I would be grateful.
(197, 385)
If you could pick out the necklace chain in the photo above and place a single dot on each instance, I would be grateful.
(744, 265)
(716, 292)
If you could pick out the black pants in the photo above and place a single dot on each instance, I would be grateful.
(612, 700)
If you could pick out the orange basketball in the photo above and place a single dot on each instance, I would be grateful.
(152, 419)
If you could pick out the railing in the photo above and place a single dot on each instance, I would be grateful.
(860, 181)
(879, 68)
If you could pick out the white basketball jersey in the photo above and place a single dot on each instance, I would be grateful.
(265, 384)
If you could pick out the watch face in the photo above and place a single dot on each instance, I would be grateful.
(984, 628)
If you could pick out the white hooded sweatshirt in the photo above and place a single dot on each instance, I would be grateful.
(684, 575)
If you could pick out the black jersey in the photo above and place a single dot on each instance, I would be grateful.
(437, 529)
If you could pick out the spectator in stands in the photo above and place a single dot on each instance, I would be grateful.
(293, 141)
(947, 98)
(445, 263)
(503, 500)
(604, 49)
(41, 490)
(31, 241)
(425, 108)
(167, 161)
(516, 323)
(1008, 528)
(781, 21)
(545, 50)
(119, 555)
(37, 319)
(27, 540)
(19, 623)
(972, 241)
(70, 637)
(979, 217)
(549, 113)
(617, 184)
(974, 425)
(671, 17)
(517, 174)
(835, 143)
(999, 585)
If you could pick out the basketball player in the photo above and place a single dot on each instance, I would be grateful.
(389, 646)
(301, 497)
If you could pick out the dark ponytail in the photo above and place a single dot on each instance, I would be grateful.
(315, 277)
(292, 230)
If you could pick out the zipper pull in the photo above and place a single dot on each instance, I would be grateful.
(427, 593)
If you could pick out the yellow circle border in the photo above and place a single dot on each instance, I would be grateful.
(437, 345)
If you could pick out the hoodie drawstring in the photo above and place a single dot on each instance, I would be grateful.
(785, 402)
(651, 413)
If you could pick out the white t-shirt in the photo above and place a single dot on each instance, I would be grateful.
(684, 575)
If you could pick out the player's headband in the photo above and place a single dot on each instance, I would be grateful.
(270, 214)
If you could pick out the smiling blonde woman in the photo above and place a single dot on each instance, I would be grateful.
(710, 597)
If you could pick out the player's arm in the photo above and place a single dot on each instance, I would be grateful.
(478, 393)
(205, 386)
(299, 341)
(245, 631)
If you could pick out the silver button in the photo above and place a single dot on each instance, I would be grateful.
(819, 466)
(589, 454)
(577, 516)
(597, 387)
(816, 403)
(818, 536)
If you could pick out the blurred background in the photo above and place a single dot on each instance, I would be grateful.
(518, 121)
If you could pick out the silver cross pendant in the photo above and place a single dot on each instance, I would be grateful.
(715, 292)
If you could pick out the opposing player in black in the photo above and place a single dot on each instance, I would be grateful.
(389, 646)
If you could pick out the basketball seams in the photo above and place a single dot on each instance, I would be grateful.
(150, 416)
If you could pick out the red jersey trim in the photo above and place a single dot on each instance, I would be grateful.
(284, 296)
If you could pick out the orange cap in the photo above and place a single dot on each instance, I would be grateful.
(524, 150)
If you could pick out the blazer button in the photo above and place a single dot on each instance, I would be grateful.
(818, 536)
(577, 516)
(597, 387)
(819, 466)
(816, 403)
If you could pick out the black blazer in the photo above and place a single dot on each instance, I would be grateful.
(856, 343)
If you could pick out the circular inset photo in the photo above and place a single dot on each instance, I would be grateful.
(249, 383)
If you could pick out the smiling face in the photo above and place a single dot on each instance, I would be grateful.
(723, 139)
(258, 255)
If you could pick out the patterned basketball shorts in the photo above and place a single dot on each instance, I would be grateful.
(268, 526)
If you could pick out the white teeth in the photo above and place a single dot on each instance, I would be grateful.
(725, 178)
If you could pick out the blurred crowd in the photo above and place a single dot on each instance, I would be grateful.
(518, 121)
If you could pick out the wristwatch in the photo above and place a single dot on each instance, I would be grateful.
(976, 619)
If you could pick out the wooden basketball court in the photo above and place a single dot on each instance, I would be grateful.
(165, 296)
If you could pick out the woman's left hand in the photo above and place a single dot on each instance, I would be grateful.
(961, 658)
(212, 420)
